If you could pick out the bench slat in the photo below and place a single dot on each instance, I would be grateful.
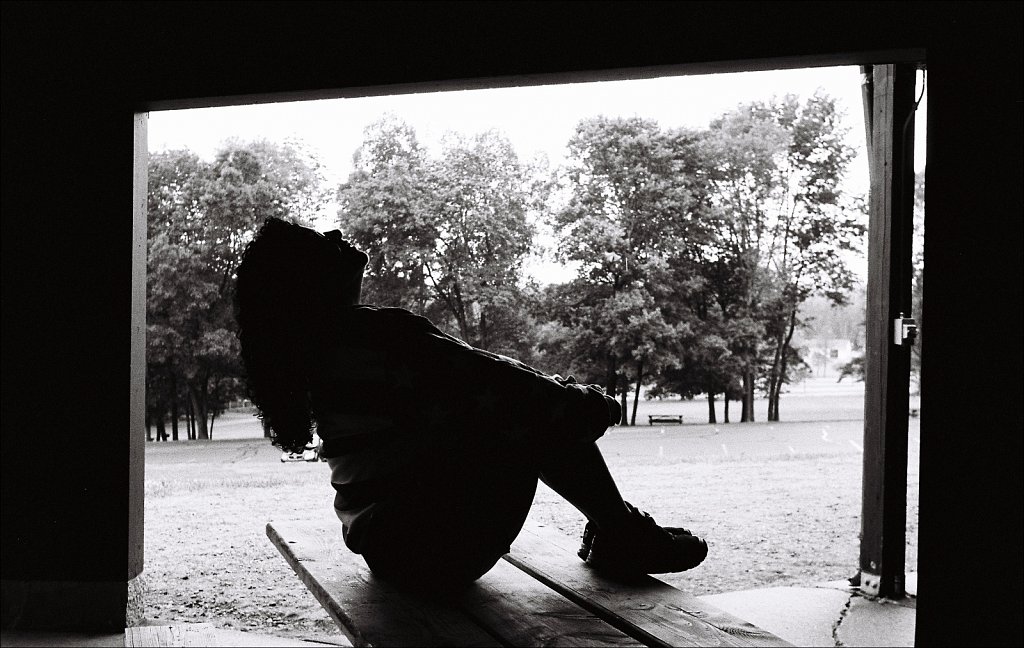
(520, 611)
(646, 608)
(368, 610)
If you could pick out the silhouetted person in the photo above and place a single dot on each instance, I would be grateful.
(435, 447)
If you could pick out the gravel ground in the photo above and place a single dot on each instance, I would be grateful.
(783, 519)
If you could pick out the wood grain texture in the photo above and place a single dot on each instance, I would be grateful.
(520, 611)
(886, 364)
(176, 636)
(369, 611)
(653, 612)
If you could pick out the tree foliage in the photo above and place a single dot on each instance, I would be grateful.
(446, 237)
(200, 216)
(631, 213)
(786, 231)
(694, 250)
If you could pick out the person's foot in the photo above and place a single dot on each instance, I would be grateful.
(638, 545)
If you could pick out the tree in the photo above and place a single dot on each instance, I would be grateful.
(446, 237)
(632, 211)
(706, 363)
(853, 369)
(785, 226)
(385, 212)
(201, 215)
(176, 181)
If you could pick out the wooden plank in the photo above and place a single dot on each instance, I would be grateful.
(174, 636)
(887, 365)
(368, 610)
(645, 608)
(520, 611)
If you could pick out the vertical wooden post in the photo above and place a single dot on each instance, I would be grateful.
(887, 364)
(137, 407)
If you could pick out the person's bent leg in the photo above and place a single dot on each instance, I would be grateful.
(581, 476)
(618, 537)
(458, 520)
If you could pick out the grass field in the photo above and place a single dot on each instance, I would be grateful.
(779, 504)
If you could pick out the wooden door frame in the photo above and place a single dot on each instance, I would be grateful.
(887, 355)
(882, 550)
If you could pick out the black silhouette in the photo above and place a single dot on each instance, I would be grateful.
(435, 447)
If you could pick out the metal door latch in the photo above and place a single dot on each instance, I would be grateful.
(904, 330)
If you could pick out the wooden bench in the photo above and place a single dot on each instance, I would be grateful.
(665, 418)
(540, 594)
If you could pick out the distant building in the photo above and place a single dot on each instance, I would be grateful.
(825, 356)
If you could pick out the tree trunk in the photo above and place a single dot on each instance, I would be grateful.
(775, 385)
(743, 398)
(774, 377)
(624, 396)
(725, 397)
(266, 428)
(784, 364)
(612, 381)
(174, 419)
(747, 415)
(636, 396)
(711, 408)
(485, 343)
(204, 404)
(773, 400)
(191, 419)
(459, 310)
(750, 397)
(199, 414)
(161, 432)
(174, 406)
(149, 425)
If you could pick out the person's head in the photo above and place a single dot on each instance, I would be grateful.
(293, 284)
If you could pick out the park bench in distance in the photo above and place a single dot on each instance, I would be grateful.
(665, 418)
(541, 594)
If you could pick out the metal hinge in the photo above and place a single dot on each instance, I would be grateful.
(904, 330)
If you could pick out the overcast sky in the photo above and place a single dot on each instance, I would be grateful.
(536, 119)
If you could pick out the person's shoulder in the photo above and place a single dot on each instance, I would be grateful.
(382, 319)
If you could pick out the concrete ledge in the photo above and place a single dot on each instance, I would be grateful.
(877, 622)
(803, 616)
(830, 614)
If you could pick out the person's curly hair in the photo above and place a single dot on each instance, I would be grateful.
(287, 299)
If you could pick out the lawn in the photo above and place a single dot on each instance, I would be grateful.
(779, 504)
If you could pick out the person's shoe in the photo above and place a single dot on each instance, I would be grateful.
(588, 540)
(640, 546)
(590, 529)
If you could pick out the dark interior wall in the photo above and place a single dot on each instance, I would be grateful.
(66, 240)
(970, 541)
(73, 74)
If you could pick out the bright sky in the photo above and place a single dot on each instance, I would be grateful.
(536, 119)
